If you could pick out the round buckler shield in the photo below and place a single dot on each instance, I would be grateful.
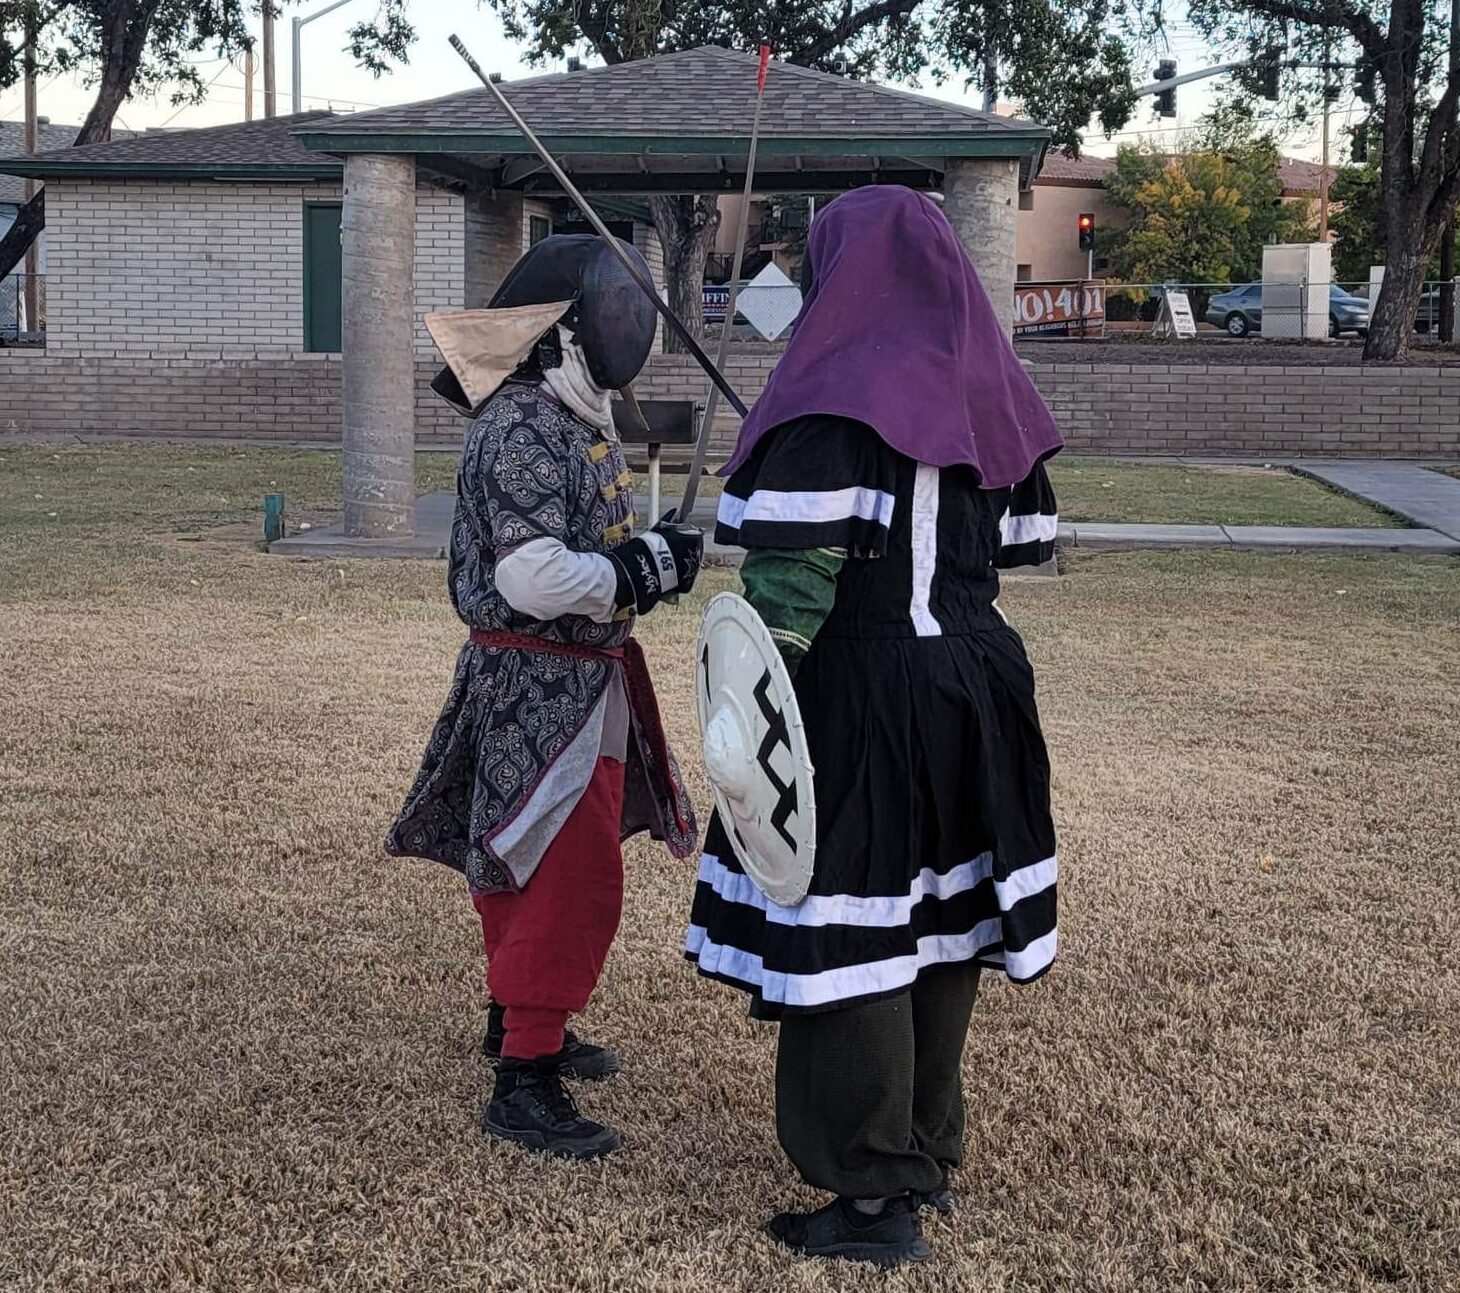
(755, 750)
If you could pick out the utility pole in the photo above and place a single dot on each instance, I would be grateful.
(248, 84)
(1323, 166)
(271, 103)
(299, 24)
(1452, 228)
(32, 255)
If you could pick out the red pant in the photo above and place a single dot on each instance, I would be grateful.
(546, 943)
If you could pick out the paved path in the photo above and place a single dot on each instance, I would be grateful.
(433, 528)
(1255, 538)
(1424, 498)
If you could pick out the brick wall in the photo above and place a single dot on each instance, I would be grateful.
(202, 269)
(1254, 412)
(1239, 412)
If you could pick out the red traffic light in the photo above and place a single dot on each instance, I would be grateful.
(1087, 230)
(1087, 221)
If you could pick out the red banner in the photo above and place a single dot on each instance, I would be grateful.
(1071, 309)
(765, 66)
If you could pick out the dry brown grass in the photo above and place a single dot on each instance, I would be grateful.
(240, 1044)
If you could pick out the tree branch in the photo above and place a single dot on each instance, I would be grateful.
(1438, 131)
(849, 25)
(1363, 28)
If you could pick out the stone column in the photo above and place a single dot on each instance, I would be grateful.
(494, 241)
(379, 253)
(981, 201)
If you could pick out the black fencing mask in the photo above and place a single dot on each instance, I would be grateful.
(612, 319)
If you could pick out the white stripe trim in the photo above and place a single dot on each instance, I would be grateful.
(807, 507)
(1038, 956)
(1025, 882)
(1036, 527)
(845, 908)
(846, 982)
(925, 549)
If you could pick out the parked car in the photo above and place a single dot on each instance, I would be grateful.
(1426, 313)
(1239, 312)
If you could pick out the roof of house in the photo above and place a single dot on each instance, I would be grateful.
(684, 119)
(1300, 177)
(708, 92)
(1063, 170)
(244, 150)
(695, 104)
(12, 140)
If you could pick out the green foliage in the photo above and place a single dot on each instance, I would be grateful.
(150, 47)
(1359, 225)
(1204, 215)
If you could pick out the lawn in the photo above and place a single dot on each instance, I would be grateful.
(1102, 489)
(240, 1044)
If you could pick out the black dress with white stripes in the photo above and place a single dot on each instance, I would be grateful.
(935, 843)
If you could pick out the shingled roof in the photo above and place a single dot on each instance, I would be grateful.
(707, 91)
(12, 140)
(245, 150)
(698, 104)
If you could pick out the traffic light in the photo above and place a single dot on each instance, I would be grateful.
(1166, 100)
(1268, 68)
(1087, 231)
(1364, 78)
(1359, 135)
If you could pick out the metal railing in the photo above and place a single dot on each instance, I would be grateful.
(23, 310)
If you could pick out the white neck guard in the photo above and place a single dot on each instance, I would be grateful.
(573, 384)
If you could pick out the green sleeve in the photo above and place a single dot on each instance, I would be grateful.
(792, 589)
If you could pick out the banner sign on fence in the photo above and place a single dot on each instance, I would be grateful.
(717, 301)
(1074, 309)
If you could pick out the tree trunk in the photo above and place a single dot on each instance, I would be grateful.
(110, 95)
(686, 227)
(29, 221)
(1392, 321)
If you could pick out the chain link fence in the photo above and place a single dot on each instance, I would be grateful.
(1286, 311)
(23, 310)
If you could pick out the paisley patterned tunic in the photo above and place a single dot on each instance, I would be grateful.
(521, 730)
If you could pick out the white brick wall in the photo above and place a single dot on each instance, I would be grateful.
(206, 270)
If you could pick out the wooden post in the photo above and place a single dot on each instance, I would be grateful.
(248, 84)
(32, 255)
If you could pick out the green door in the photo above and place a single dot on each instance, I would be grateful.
(322, 276)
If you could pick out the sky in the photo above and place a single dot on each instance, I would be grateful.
(332, 80)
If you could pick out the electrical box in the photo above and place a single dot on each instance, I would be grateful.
(1297, 280)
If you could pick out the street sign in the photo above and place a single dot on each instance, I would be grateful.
(1072, 309)
(1175, 318)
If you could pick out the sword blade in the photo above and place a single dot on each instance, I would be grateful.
(593, 218)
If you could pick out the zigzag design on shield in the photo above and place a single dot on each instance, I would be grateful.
(776, 734)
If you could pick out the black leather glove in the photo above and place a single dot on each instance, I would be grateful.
(663, 562)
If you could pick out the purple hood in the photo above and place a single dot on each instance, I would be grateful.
(898, 333)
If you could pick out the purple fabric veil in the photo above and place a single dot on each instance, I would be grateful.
(898, 333)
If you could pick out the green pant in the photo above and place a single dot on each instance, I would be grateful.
(869, 1102)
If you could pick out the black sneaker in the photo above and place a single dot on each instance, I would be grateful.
(887, 1238)
(530, 1107)
(942, 1199)
(577, 1059)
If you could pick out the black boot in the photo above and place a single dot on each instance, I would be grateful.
(530, 1107)
(577, 1059)
(887, 1238)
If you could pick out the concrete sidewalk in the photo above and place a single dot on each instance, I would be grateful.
(1429, 499)
(434, 511)
(1094, 536)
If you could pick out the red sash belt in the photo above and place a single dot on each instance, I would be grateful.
(527, 642)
